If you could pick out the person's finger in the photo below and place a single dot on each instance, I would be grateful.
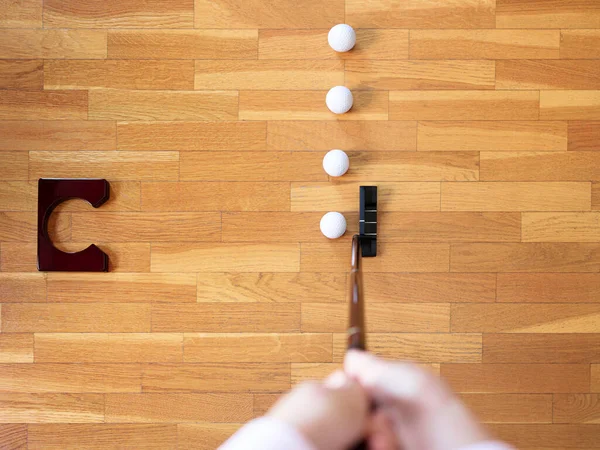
(381, 432)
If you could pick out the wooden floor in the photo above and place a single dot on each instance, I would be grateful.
(479, 121)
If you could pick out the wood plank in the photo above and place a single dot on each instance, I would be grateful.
(271, 287)
(216, 196)
(22, 287)
(413, 166)
(517, 378)
(22, 14)
(226, 318)
(271, 75)
(204, 436)
(308, 44)
(122, 257)
(464, 105)
(70, 378)
(162, 105)
(309, 105)
(539, 74)
(252, 166)
(570, 105)
(383, 317)
(13, 436)
(579, 44)
(274, 226)
(539, 436)
(15, 166)
(259, 348)
(584, 136)
(576, 408)
(189, 377)
(44, 105)
(352, 135)
(549, 288)
(225, 257)
(276, 14)
(119, 166)
(263, 402)
(342, 196)
(124, 196)
(450, 227)
(595, 375)
(18, 196)
(102, 436)
(424, 14)
(229, 136)
(484, 44)
(390, 75)
(418, 347)
(75, 318)
(392, 257)
(492, 135)
(110, 348)
(51, 408)
(561, 227)
(53, 44)
(119, 14)
(57, 135)
(525, 318)
(541, 348)
(541, 14)
(118, 74)
(146, 226)
(182, 44)
(22, 226)
(525, 257)
(171, 407)
(537, 166)
(430, 287)
(510, 408)
(16, 348)
(519, 196)
(118, 287)
(24, 74)
(595, 196)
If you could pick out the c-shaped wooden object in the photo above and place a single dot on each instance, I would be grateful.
(52, 192)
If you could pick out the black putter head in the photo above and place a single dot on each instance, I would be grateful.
(367, 228)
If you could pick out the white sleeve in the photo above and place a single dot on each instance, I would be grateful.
(266, 433)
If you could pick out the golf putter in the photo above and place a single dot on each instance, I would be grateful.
(363, 244)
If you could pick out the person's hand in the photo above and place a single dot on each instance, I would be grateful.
(415, 409)
(332, 415)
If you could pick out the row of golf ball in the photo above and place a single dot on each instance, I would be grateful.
(339, 100)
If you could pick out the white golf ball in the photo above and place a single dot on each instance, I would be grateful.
(333, 225)
(339, 99)
(336, 163)
(342, 38)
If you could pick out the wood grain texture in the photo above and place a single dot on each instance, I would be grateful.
(284, 44)
(595, 378)
(16, 168)
(484, 44)
(396, 75)
(102, 436)
(510, 408)
(210, 377)
(21, 288)
(118, 74)
(549, 288)
(324, 135)
(595, 196)
(541, 14)
(541, 348)
(16, 347)
(426, 14)
(517, 378)
(227, 317)
(25, 74)
(257, 348)
(561, 227)
(45, 105)
(13, 436)
(465, 105)
(584, 135)
(21, 14)
(58, 44)
(182, 44)
(198, 436)
(570, 105)
(576, 408)
(108, 348)
(579, 44)
(548, 435)
(518, 196)
(117, 14)
(493, 135)
(309, 105)
(525, 257)
(52, 408)
(536, 74)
